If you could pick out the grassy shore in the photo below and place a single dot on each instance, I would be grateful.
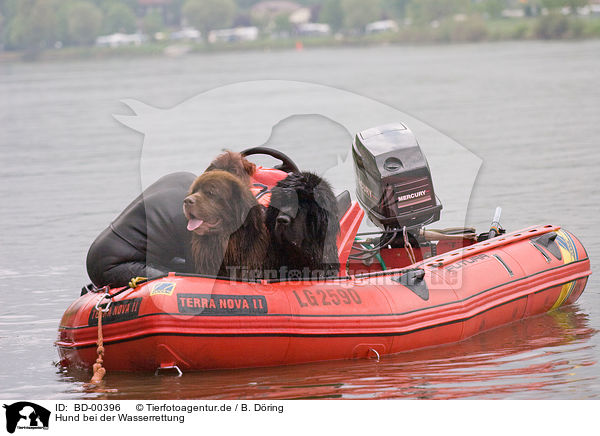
(471, 29)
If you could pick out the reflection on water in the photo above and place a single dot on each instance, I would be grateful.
(524, 360)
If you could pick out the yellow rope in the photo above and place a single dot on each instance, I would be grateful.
(134, 282)
(99, 371)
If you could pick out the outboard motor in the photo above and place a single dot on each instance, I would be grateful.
(394, 182)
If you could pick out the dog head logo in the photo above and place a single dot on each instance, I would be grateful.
(26, 415)
(313, 124)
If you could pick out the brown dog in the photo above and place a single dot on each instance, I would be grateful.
(229, 235)
(235, 164)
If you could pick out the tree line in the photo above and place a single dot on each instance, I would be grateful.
(39, 24)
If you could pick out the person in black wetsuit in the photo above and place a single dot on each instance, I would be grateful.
(149, 238)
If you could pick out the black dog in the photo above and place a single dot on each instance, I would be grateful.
(303, 227)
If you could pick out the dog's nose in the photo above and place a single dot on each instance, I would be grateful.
(188, 200)
(284, 219)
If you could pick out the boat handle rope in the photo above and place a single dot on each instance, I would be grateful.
(175, 367)
(375, 352)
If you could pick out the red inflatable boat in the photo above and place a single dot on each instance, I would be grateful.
(201, 323)
(407, 289)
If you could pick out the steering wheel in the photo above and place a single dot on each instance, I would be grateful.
(287, 164)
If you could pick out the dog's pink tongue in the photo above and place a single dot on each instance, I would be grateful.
(193, 224)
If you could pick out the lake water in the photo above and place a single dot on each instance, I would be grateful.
(528, 110)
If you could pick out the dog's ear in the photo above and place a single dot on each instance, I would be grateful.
(326, 200)
(249, 167)
(194, 186)
(233, 163)
(327, 224)
(317, 222)
(271, 214)
(242, 202)
(255, 219)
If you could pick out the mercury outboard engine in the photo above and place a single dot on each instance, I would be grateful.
(394, 183)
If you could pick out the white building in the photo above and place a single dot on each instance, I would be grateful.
(120, 39)
(233, 35)
(186, 34)
(300, 16)
(513, 13)
(381, 26)
(313, 29)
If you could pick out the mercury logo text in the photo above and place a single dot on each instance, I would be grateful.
(412, 195)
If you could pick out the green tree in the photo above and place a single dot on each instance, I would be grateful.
(206, 15)
(119, 18)
(282, 23)
(331, 13)
(493, 8)
(426, 11)
(8, 9)
(152, 23)
(84, 21)
(552, 26)
(358, 13)
(2, 31)
(395, 8)
(35, 26)
(571, 4)
(105, 4)
(173, 13)
(246, 4)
